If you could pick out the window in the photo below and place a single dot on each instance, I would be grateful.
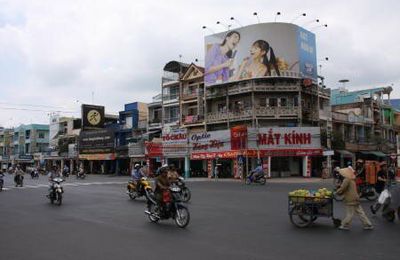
(273, 102)
(321, 104)
(221, 107)
(283, 102)
(263, 102)
(41, 134)
(296, 101)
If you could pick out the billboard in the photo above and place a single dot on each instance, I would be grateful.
(96, 141)
(258, 51)
(92, 116)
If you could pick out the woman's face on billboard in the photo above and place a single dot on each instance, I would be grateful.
(256, 52)
(232, 41)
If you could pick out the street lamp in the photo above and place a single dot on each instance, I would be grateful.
(319, 26)
(277, 14)
(344, 81)
(233, 19)
(297, 17)
(205, 27)
(256, 15)
(227, 26)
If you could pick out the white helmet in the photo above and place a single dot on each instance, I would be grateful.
(137, 165)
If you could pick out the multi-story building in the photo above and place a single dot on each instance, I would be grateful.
(28, 140)
(364, 124)
(6, 146)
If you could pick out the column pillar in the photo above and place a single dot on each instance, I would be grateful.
(187, 166)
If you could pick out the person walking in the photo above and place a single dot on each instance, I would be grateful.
(348, 189)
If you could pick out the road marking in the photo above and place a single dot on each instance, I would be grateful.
(73, 184)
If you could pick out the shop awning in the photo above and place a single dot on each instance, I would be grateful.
(345, 153)
(376, 153)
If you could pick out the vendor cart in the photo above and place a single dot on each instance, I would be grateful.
(304, 210)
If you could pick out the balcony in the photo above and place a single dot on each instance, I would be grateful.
(355, 146)
(277, 112)
(260, 112)
(192, 119)
(154, 123)
(171, 120)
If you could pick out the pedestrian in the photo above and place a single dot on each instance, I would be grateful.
(348, 189)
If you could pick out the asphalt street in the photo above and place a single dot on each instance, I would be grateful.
(229, 220)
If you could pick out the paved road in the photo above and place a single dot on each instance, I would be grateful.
(229, 221)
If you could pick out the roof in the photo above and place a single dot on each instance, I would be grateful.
(340, 97)
(176, 67)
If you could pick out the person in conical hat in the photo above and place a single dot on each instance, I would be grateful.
(348, 189)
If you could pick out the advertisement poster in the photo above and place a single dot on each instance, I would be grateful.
(258, 51)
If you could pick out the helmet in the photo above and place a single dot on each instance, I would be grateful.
(137, 165)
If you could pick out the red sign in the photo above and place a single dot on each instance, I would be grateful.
(153, 149)
(239, 137)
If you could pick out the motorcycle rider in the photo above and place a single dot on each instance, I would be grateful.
(162, 184)
(54, 173)
(136, 175)
(173, 175)
(257, 172)
(19, 175)
(66, 171)
(384, 179)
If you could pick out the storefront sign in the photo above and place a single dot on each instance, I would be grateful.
(92, 117)
(210, 142)
(98, 157)
(175, 143)
(96, 141)
(286, 138)
(153, 149)
(239, 137)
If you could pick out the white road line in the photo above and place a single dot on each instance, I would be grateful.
(73, 184)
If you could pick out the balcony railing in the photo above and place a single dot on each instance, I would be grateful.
(271, 112)
(192, 119)
(171, 120)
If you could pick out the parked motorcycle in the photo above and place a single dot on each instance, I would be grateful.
(170, 208)
(367, 191)
(56, 191)
(261, 179)
(185, 192)
(144, 189)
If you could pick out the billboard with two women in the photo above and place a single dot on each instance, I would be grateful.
(260, 50)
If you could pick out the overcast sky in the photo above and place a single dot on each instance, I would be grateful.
(55, 54)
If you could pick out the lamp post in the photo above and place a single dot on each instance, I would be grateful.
(297, 17)
(276, 15)
(233, 19)
(227, 26)
(256, 15)
(205, 27)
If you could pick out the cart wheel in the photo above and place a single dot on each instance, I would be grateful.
(301, 216)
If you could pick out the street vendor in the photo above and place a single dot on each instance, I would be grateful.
(348, 189)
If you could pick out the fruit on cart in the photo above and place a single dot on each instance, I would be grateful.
(321, 193)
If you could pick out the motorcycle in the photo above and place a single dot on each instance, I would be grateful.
(259, 179)
(19, 180)
(144, 189)
(365, 190)
(56, 192)
(65, 173)
(34, 174)
(185, 192)
(390, 200)
(1, 181)
(81, 175)
(170, 208)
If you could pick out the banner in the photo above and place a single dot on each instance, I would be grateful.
(96, 141)
(175, 143)
(259, 51)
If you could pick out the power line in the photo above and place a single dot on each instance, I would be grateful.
(29, 105)
(38, 110)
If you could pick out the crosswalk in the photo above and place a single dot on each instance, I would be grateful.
(71, 184)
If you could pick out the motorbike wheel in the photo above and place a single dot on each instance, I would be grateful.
(186, 194)
(132, 194)
(51, 197)
(390, 216)
(182, 216)
(262, 181)
(1, 187)
(153, 210)
(371, 195)
(59, 199)
(248, 181)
